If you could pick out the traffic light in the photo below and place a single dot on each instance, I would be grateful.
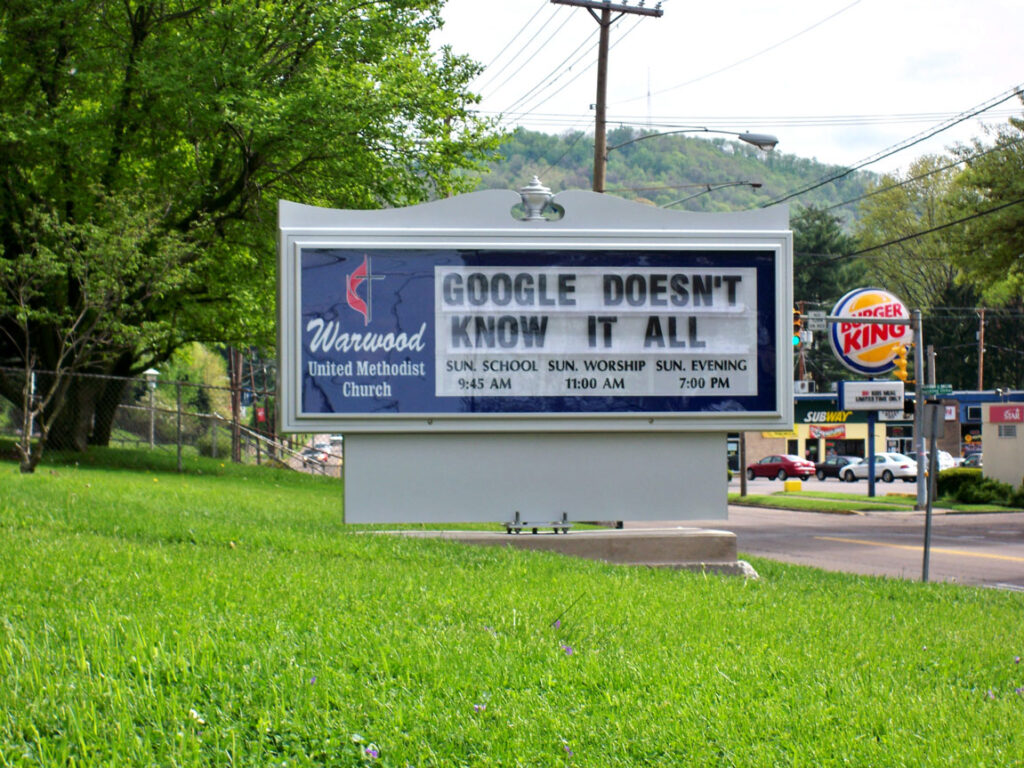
(900, 363)
(798, 327)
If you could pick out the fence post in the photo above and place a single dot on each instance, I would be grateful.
(152, 414)
(151, 374)
(236, 405)
(177, 388)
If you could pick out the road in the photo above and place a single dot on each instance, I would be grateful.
(764, 486)
(975, 549)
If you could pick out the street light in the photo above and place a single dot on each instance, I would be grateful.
(763, 141)
(151, 376)
(712, 187)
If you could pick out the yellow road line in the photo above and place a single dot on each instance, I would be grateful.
(935, 550)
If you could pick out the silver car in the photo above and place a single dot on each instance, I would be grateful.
(888, 466)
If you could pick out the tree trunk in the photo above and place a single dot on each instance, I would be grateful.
(109, 400)
(106, 409)
(70, 430)
(28, 463)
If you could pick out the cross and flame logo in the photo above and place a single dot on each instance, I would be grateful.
(362, 274)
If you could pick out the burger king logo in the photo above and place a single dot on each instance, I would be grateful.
(868, 349)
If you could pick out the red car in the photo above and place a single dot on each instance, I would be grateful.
(780, 466)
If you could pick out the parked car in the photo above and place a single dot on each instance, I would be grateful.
(313, 456)
(972, 460)
(944, 458)
(780, 466)
(888, 466)
(831, 466)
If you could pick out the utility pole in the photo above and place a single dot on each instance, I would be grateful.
(918, 330)
(605, 21)
(981, 349)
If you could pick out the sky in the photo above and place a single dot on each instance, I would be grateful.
(840, 81)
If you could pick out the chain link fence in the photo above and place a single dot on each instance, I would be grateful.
(182, 417)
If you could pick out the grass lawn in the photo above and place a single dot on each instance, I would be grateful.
(810, 501)
(850, 503)
(227, 616)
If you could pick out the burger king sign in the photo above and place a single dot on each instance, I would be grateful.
(868, 349)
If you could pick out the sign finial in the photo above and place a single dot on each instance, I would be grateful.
(535, 199)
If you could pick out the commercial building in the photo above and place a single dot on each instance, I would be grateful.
(821, 429)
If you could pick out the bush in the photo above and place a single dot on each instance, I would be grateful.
(985, 491)
(205, 443)
(970, 487)
(1017, 498)
(950, 481)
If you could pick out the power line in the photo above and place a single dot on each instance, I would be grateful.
(943, 310)
(543, 5)
(773, 121)
(905, 144)
(962, 311)
(579, 74)
(557, 73)
(747, 58)
(568, 149)
(938, 228)
(658, 187)
(538, 48)
(830, 257)
(805, 121)
(1005, 349)
(932, 172)
(604, 23)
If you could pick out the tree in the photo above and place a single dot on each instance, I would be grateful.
(993, 180)
(664, 169)
(954, 269)
(822, 272)
(822, 269)
(96, 259)
(197, 117)
(919, 269)
(990, 194)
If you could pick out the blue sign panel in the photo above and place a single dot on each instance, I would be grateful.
(492, 331)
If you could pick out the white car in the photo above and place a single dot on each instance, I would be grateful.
(888, 466)
(944, 458)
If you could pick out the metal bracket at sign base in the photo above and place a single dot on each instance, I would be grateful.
(519, 524)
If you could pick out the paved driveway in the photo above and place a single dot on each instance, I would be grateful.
(985, 549)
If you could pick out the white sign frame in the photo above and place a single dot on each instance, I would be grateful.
(484, 220)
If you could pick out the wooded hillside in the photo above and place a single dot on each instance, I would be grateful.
(664, 169)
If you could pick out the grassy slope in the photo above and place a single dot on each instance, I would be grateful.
(230, 618)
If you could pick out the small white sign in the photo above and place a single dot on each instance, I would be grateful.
(815, 321)
(870, 395)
